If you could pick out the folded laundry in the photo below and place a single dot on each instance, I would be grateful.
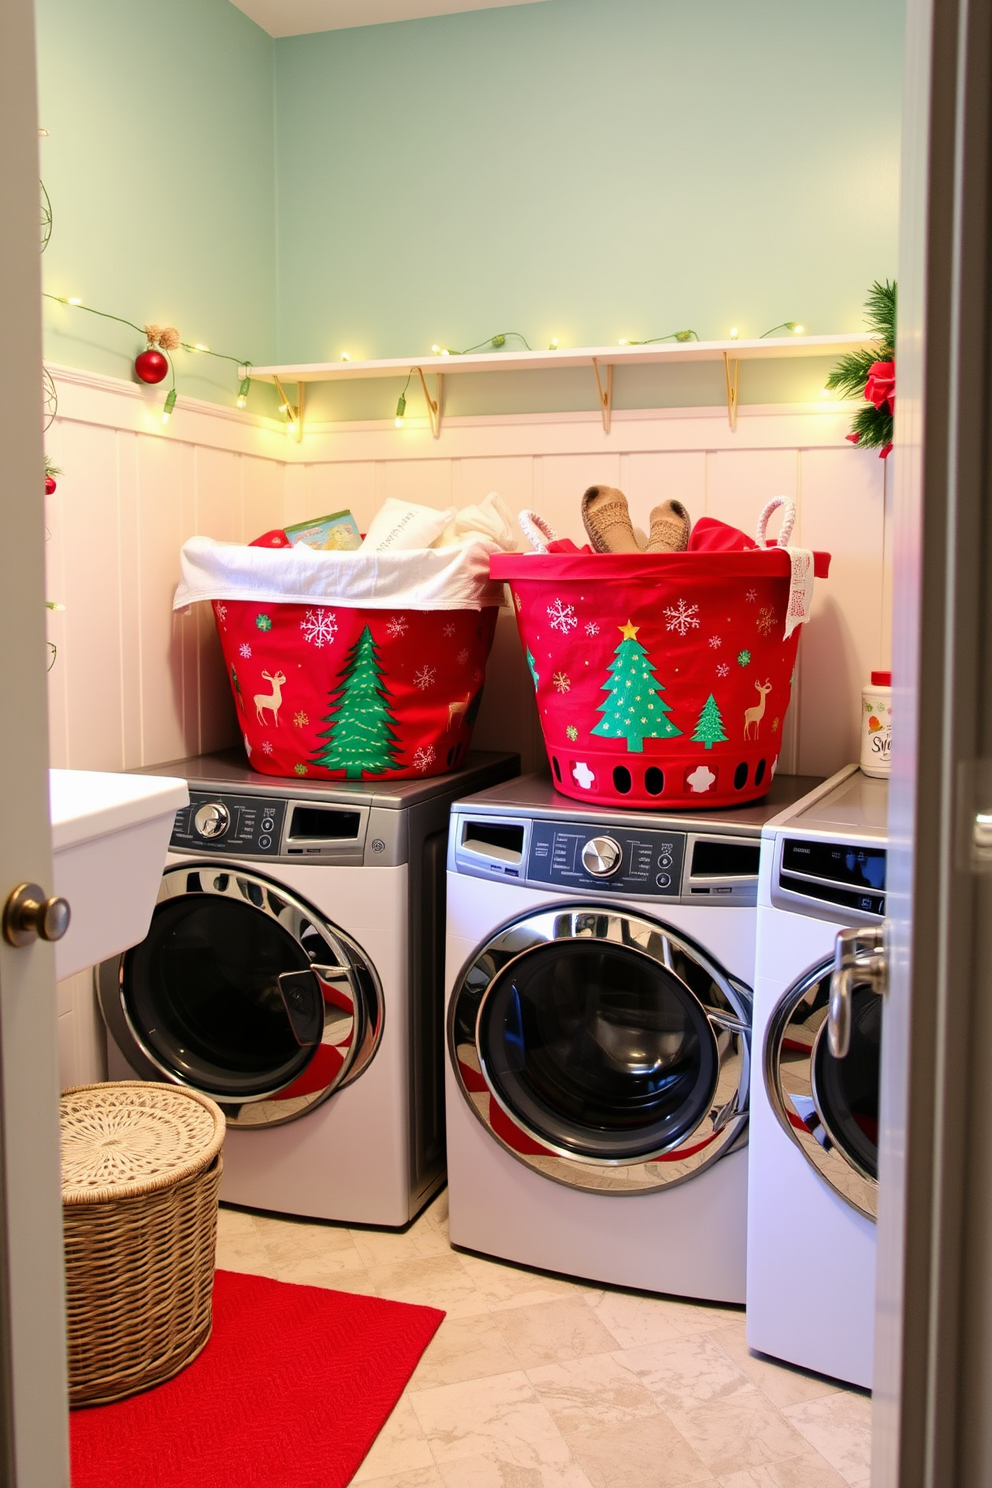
(399, 526)
(489, 520)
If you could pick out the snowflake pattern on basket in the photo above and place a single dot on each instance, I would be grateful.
(424, 757)
(572, 732)
(319, 627)
(220, 610)
(715, 642)
(751, 596)
(682, 617)
(723, 670)
(398, 626)
(743, 658)
(301, 769)
(765, 620)
(266, 747)
(562, 616)
(448, 631)
(592, 629)
(301, 719)
(244, 650)
(424, 678)
(561, 681)
(462, 656)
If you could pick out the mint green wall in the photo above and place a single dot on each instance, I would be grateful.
(586, 168)
(159, 163)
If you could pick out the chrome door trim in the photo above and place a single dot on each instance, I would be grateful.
(354, 1031)
(848, 1179)
(728, 1017)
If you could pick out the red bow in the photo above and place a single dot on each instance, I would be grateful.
(881, 385)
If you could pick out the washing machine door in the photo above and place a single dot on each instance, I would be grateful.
(245, 992)
(602, 1049)
(828, 1106)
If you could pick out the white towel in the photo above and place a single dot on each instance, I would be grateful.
(454, 578)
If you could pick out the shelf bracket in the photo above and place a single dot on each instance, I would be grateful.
(293, 411)
(434, 405)
(605, 398)
(731, 371)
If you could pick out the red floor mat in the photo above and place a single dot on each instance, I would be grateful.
(290, 1392)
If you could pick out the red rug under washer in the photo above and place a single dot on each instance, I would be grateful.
(290, 1392)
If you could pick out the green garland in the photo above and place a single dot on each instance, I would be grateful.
(872, 426)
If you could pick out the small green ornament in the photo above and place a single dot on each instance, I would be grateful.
(263, 622)
(301, 769)
(743, 658)
(572, 732)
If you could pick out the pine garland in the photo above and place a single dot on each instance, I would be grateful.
(872, 426)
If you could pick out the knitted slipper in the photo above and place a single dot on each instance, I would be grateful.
(670, 526)
(607, 520)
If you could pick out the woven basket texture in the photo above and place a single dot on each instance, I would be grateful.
(141, 1166)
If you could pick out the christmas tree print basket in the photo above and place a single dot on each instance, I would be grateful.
(348, 666)
(662, 680)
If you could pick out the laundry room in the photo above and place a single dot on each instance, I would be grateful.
(471, 545)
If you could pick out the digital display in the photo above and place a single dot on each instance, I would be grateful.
(839, 862)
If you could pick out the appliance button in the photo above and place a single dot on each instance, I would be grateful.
(265, 843)
(212, 819)
(664, 880)
(602, 856)
(665, 861)
(268, 824)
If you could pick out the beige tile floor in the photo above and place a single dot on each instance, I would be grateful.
(534, 1381)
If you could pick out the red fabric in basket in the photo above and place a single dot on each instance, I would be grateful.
(661, 679)
(711, 536)
(333, 693)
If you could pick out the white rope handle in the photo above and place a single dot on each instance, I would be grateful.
(536, 530)
(788, 520)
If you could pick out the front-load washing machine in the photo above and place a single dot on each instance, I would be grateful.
(599, 965)
(293, 971)
(814, 1118)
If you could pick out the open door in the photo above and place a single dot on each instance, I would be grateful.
(933, 1373)
(33, 1406)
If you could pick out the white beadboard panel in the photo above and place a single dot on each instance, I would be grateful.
(58, 717)
(82, 1046)
(263, 496)
(560, 482)
(327, 488)
(161, 468)
(92, 652)
(511, 475)
(843, 513)
(427, 482)
(885, 647)
(739, 482)
(129, 597)
(664, 475)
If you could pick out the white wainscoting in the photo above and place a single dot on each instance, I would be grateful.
(133, 685)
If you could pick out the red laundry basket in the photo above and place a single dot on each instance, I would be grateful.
(662, 680)
(334, 692)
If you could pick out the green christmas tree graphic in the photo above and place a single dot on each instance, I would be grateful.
(633, 709)
(360, 736)
(709, 725)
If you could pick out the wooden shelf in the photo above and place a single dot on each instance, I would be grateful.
(601, 359)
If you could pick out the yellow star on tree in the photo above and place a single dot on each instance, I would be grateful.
(628, 631)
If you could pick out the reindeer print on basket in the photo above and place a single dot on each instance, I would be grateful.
(754, 715)
(270, 702)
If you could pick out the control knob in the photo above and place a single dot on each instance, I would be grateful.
(602, 856)
(212, 820)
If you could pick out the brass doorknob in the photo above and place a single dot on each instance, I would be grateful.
(29, 913)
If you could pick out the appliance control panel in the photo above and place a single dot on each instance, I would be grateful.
(831, 880)
(246, 826)
(629, 861)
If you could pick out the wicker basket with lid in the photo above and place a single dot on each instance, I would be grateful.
(141, 1165)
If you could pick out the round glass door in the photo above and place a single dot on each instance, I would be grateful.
(828, 1106)
(242, 991)
(602, 1049)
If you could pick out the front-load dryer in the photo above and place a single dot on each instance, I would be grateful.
(293, 971)
(599, 965)
(814, 1118)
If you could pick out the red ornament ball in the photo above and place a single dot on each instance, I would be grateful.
(151, 366)
(49, 485)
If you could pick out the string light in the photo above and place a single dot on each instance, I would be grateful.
(74, 300)
(652, 340)
(170, 404)
(244, 390)
(786, 325)
(553, 344)
(401, 402)
(733, 333)
(198, 346)
(345, 357)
